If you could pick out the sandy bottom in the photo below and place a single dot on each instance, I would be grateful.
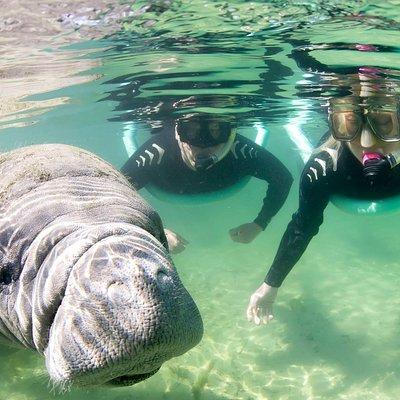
(336, 332)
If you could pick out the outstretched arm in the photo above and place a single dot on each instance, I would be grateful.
(270, 169)
(305, 223)
(263, 165)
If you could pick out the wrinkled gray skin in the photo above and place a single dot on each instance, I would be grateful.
(85, 277)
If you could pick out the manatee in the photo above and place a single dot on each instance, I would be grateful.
(85, 275)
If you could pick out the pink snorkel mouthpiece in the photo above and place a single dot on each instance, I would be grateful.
(366, 47)
(371, 156)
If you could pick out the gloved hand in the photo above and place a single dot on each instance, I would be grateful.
(260, 305)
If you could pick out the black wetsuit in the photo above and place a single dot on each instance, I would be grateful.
(320, 179)
(159, 162)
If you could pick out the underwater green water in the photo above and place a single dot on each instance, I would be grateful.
(336, 333)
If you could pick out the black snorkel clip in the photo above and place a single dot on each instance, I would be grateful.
(202, 163)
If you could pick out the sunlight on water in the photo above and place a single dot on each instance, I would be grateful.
(336, 334)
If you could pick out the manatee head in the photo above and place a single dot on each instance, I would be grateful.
(124, 312)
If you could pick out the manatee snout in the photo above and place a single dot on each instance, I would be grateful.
(124, 313)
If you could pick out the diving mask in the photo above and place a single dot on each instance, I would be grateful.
(347, 119)
(204, 139)
(203, 130)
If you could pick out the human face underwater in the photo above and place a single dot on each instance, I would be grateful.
(203, 141)
(370, 127)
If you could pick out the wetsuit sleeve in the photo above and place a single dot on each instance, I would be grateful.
(305, 223)
(143, 164)
(270, 169)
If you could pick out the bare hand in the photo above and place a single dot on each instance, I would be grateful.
(176, 243)
(245, 233)
(260, 305)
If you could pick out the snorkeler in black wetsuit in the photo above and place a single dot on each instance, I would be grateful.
(204, 154)
(359, 159)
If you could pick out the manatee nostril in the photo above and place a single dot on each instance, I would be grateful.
(118, 292)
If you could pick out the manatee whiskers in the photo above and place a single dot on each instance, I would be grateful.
(59, 387)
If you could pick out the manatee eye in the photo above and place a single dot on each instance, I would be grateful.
(163, 280)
